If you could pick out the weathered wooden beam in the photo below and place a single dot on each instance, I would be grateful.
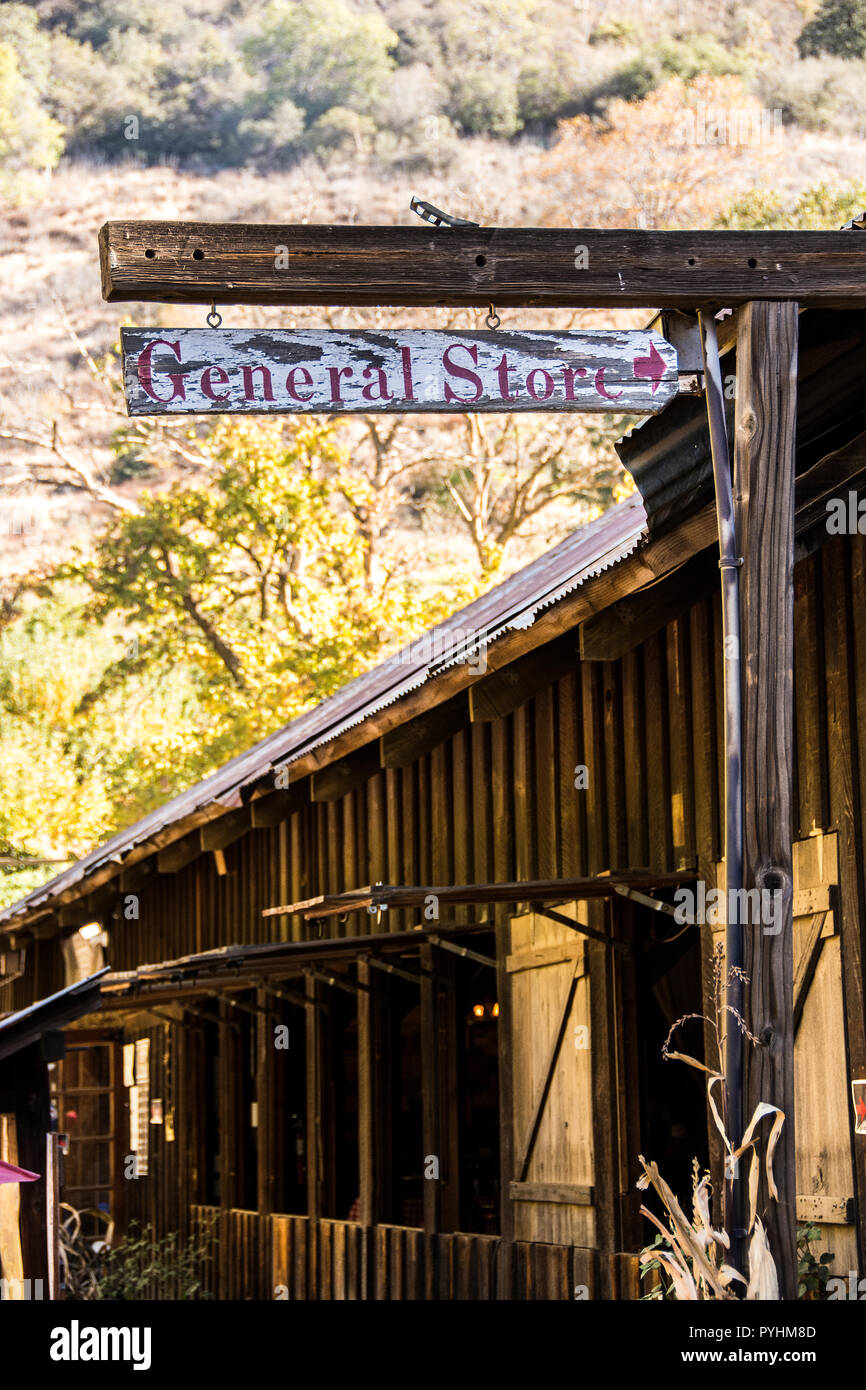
(220, 833)
(338, 778)
(90, 908)
(235, 263)
(276, 806)
(764, 491)
(517, 891)
(616, 630)
(75, 915)
(838, 1211)
(404, 745)
(571, 1194)
(177, 855)
(509, 687)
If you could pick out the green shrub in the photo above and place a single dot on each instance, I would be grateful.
(812, 1274)
(818, 208)
(30, 139)
(484, 102)
(686, 58)
(612, 31)
(319, 54)
(141, 1262)
(342, 131)
(838, 28)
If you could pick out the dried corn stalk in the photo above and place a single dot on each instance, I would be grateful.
(695, 1257)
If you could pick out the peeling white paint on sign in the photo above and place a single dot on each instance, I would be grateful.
(211, 371)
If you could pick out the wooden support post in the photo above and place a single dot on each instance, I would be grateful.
(605, 1092)
(376, 1062)
(366, 1101)
(227, 1072)
(446, 1020)
(313, 992)
(764, 499)
(52, 1203)
(431, 1131)
(265, 1139)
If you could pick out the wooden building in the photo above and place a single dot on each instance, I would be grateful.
(429, 1075)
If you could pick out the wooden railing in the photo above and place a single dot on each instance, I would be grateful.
(290, 1257)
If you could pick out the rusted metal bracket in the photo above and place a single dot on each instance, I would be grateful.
(461, 951)
(591, 932)
(413, 976)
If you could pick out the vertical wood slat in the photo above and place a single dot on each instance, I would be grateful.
(267, 1257)
(682, 748)
(764, 466)
(480, 775)
(810, 703)
(461, 819)
(572, 819)
(547, 785)
(502, 784)
(593, 725)
(843, 566)
(605, 1107)
(633, 733)
(523, 785)
(657, 753)
(613, 764)
(702, 735)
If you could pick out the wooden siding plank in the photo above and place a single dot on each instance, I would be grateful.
(546, 783)
(844, 590)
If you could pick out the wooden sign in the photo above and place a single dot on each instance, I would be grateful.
(211, 371)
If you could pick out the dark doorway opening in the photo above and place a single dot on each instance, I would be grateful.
(247, 1108)
(288, 1038)
(478, 1090)
(211, 1137)
(340, 1105)
(672, 1094)
(401, 1092)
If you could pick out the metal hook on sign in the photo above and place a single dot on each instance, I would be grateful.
(436, 217)
(493, 320)
(214, 319)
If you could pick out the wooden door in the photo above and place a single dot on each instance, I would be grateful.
(85, 1094)
(552, 1191)
(825, 1173)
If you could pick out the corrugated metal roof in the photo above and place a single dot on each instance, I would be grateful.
(28, 1025)
(513, 604)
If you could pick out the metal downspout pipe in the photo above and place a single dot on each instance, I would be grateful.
(729, 564)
